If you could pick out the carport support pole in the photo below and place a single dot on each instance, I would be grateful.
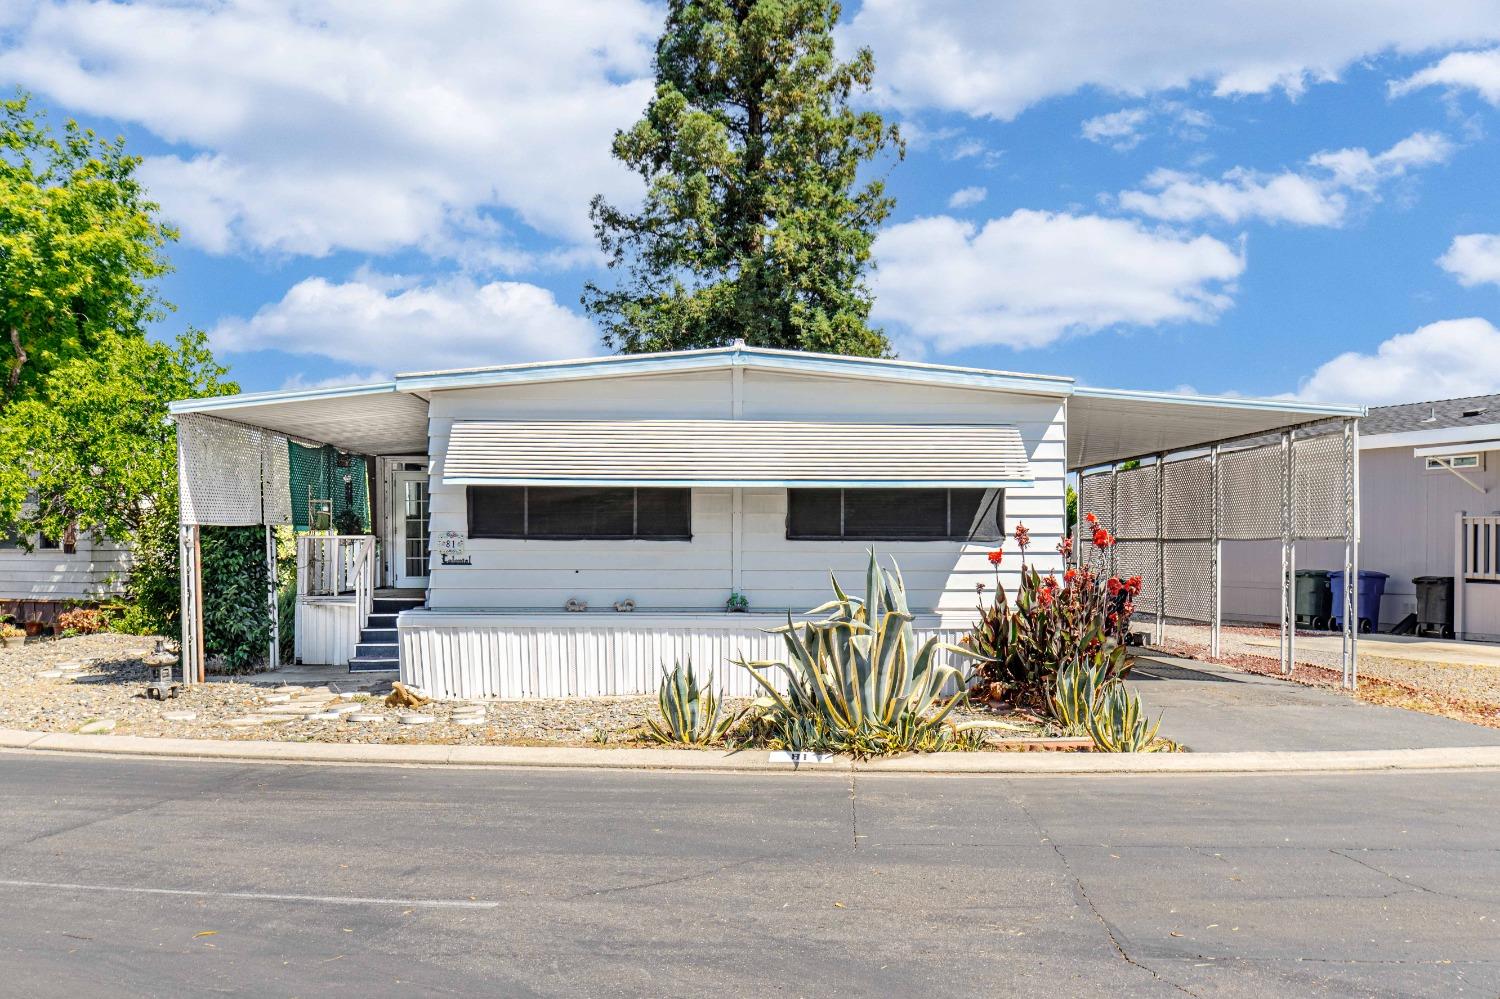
(1288, 608)
(1350, 610)
(1217, 567)
(1161, 548)
(190, 652)
(1114, 515)
(273, 653)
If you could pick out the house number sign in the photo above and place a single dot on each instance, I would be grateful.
(453, 547)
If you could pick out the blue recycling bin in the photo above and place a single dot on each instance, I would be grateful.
(1371, 589)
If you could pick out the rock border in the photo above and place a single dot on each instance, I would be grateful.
(713, 761)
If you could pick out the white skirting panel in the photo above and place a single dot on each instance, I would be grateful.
(327, 630)
(519, 656)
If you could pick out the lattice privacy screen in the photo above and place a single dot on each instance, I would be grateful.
(230, 475)
(1250, 503)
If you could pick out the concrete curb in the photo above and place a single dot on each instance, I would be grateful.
(1458, 758)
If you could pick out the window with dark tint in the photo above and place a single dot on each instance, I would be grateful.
(574, 513)
(894, 514)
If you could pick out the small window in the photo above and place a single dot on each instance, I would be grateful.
(555, 513)
(1453, 461)
(46, 544)
(894, 514)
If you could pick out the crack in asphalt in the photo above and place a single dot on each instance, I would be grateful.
(694, 876)
(1082, 893)
(1403, 882)
(853, 811)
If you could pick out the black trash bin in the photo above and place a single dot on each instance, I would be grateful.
(1314, 598)
(1434, 605)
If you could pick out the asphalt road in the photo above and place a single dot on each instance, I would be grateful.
(154, 878)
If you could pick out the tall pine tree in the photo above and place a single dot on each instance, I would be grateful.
(754, 224)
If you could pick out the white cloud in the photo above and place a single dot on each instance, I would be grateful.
(299, 381)
(1442, 360)
(998, 57)
(1473, 259)
(1127, 128)
(1029, 278)
(1316, 196)
(406, 325)
(1477, 71)
(967, 197)
(310, 126)
(1120, 129)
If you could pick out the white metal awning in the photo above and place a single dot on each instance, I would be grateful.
(1454, 450)
(735, 453)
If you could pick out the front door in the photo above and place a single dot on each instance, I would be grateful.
(410, 541)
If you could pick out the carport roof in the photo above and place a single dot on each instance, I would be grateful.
(1104, 425)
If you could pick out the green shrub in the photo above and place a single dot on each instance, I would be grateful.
(690, 712)
(236, 588)
(857, 682)
(81, 621)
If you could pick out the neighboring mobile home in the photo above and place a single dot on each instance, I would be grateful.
(568, 528)
(40, 580)
(1429, 506)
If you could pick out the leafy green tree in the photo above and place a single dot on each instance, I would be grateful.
(79, 247)
(92, 450)
(755, 223)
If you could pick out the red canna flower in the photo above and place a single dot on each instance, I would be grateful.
(1114, 586)
(1093, 521)
(1102, 538)
(1050, 582)
(1065, 548)
(996, 557)
(1070, 575)
(1023, 536)
(1133, 584)
(1114, 619)
(1129, 608)
(1044, 597)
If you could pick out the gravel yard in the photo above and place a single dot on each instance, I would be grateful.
(111, 682)
(1458, 687)
(95, 680)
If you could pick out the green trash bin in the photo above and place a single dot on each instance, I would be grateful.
(1314, 598)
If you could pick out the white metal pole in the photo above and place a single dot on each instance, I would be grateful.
(1460, 570)
(1287, 609)
(1161, 548)
(1215, 554)
(1291, 554)
(1353, 446)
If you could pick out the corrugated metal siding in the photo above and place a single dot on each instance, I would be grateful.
(326, 631)
(734, 453)
(562, 656)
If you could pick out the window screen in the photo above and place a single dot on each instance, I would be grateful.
(894, 514)
(572, 513)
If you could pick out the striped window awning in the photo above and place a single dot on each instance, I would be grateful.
(735, 453)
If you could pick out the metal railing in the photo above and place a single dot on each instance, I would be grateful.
(337, 565)
(1479, 547)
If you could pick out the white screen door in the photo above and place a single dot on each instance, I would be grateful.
(411, 543)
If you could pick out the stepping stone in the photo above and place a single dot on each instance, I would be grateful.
(249, 721)
(285, 689)
(343, 709)
(468, 719)
(347, 695)
(276, 698)
(467, 711)
(69, 667)
(291, 710)
(98, 726)
(179, 715)
(50, 674)
(416, 719)
(325, 716)
(365, 716)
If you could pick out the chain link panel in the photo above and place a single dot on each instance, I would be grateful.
(1190, 582)
(1138, 558)
(1189, 489)
(1250, 493)
(1135, 495)
(1094, 496)
(1318, 466)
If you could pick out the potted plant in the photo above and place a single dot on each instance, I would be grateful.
(737, 603)
(11, 637)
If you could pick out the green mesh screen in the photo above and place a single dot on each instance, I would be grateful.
(326, 473)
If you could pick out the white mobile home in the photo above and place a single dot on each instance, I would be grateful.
(568, 528)
(40, 579)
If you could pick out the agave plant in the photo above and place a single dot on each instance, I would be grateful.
(1074, 693)
(856, 681)
(690, 712)
(1118, 722)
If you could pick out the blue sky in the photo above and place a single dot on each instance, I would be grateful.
(1263, 199)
